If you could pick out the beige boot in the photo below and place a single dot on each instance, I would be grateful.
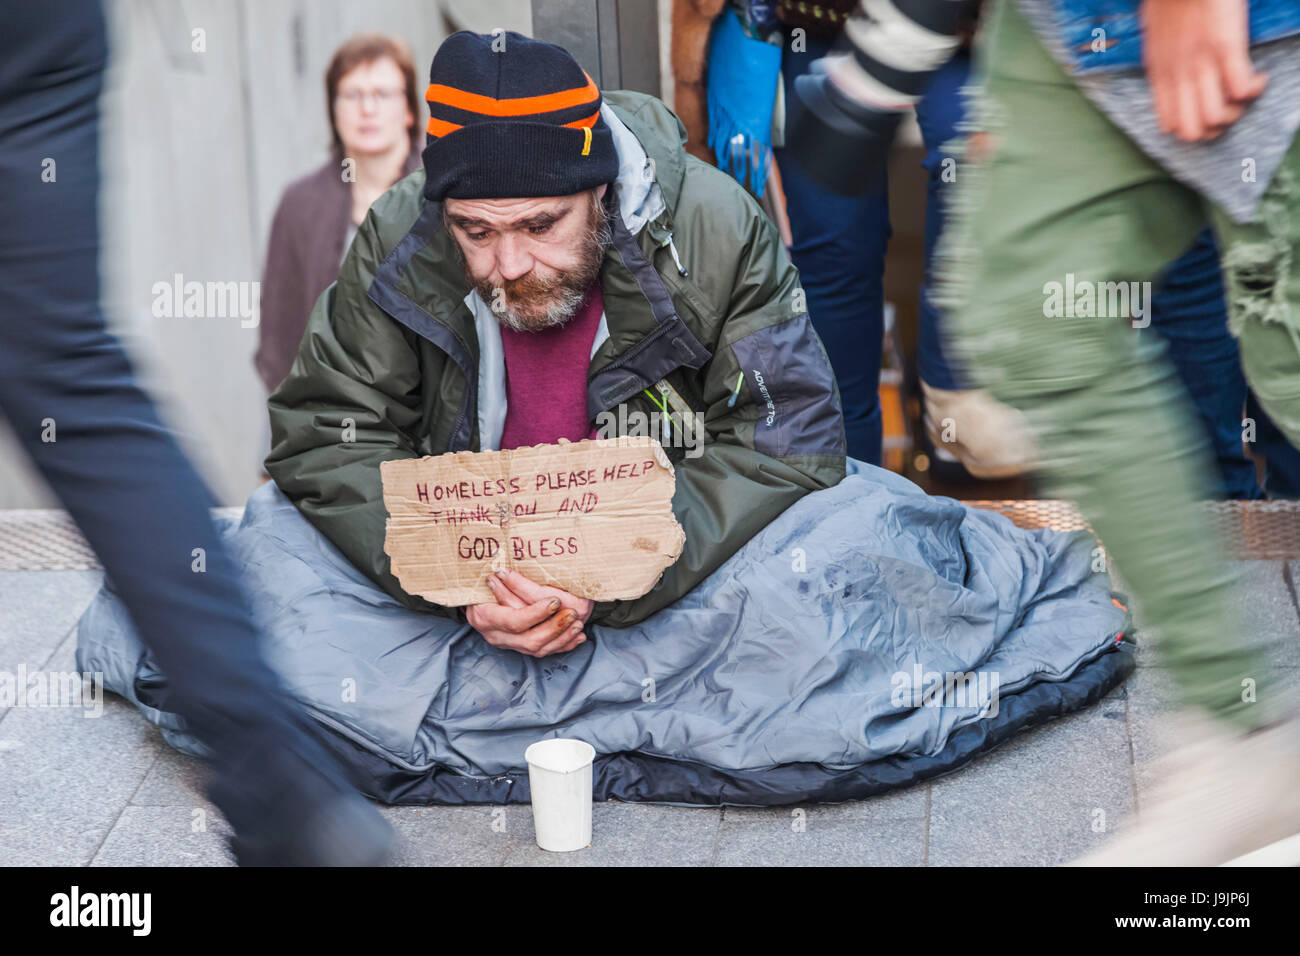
(990, 439)
(1221, 794)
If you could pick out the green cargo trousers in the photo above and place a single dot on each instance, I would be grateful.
(1053, 203)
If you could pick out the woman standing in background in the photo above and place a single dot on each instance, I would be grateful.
(373, 101)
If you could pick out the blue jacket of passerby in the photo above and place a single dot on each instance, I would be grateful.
(1106, 35)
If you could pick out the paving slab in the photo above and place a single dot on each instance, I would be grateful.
(1266, 607)
(1264, 604)
(1035, 800)
(175, 780)
(166, 836)
(452, 836)
(1154, 697)
(37, 611)
(624, 834)
(65, 779)
(883, 831)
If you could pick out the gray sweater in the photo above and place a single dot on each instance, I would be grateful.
(1215, 168)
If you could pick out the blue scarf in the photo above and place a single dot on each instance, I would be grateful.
(743, 74)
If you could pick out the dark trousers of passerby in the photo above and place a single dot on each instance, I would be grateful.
(839, 250)
(70, 395)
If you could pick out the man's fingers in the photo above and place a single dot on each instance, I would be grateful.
(1162, 93)
(1189, 125)
(1246, 85)
(538, 629)
(535, 614)
(554, 632)
(1241, 83)
(493, 617)
(548, 631)
(571, 638)
(530, 590)
(516, 620)
(1217, 114)
(522, 586)
(505, 596)
(575, 642)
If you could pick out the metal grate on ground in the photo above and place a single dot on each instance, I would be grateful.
(47, 540)
(1256, 530)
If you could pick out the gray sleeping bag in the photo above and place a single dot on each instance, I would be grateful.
(870, 636)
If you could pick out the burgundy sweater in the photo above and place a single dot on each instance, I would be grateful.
(546, 378)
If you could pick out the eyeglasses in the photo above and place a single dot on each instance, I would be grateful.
(384, 96)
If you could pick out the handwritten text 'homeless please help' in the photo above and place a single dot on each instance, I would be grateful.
(592, 517)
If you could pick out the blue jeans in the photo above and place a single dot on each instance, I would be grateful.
(1189, 312)
(938, 114)
(1281, 458)
(839, 250)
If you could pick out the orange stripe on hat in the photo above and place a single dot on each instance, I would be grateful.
(519, 106)
(587, 121)
(439, 127)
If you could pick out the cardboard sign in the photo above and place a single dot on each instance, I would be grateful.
(592, 517)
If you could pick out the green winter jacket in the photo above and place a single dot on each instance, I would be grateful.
(401, 360)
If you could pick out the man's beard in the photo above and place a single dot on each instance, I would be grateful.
(532, 303)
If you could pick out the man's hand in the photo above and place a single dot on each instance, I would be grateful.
(1197, 56)
(525, 616)
(525, 591)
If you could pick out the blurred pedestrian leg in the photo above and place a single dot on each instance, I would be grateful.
(68, 390)
(1188, 311)
(1261, 269)
(1061, 196)
(1056, 194)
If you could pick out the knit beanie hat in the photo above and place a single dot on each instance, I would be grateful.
(511, 117)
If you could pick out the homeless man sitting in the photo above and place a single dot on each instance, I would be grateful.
(558, 255)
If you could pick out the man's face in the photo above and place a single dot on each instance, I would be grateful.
(531, 260)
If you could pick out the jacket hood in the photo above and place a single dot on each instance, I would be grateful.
(640, 199)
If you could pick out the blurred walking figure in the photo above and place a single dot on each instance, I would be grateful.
(372, 99)
(120, 474)
(1188, 310)
(1069, 181)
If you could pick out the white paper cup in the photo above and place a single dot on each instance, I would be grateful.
(559, 775)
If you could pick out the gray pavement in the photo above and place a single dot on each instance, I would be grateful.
(107, 790)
